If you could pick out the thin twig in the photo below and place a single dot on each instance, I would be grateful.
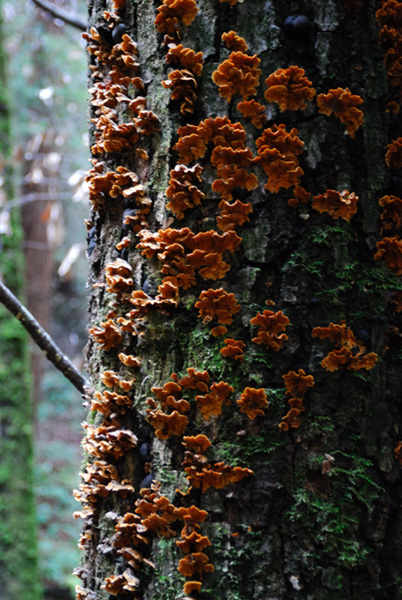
(42, 339)
(66, 16)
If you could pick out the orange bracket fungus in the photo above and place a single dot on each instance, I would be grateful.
(296, 384)
(271, 325)
(234, 42)
(253, 402)
(278, 150)
(390, 250)
(234, 349)
(340, 205)
(349, 353)
(238, 74)
(172, 12)
(289, 88)
(217, 305)
(183, 192)
(393, 156)
(344, 105)
(391, 216)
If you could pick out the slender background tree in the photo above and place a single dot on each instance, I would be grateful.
(243, 439)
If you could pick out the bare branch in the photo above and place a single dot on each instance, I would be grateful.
(64, 15)
(42, 339)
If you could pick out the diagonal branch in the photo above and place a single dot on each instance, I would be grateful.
(42, 339)
(65, 15)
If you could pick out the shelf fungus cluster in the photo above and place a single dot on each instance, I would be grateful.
(350, 353)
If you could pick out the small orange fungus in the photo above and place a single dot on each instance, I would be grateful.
(253, 402)
(349, 352)
(234, 349)
(340, 205)
(253, 110)
(271, 325)
(390, 250)
(297, 383)
(278, 150)
(239, 74)
(172, 12)
(343, 104)
(392, 213)
(393, 156)
(234, 42)
(218, 305)
(289, 88)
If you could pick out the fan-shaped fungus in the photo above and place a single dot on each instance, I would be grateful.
(171, 12)
(390, 250)
(183, 191)
(392, 214)
(107, 335)
(270, 327)
(297, 383)
(278, 151)
(234, 349)
(393, 156)
(344, 105)
(253, 402)
(349, 352)
(290, 88)
(239, 74)
(195, 563)
(234, 42)
(211, 404)
(186, 58)
(340, 205)
(253, 110)
(217, 304)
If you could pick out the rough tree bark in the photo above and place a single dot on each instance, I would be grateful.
(320, 515)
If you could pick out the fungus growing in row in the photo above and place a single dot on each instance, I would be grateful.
(393, 156)
(195, 563)
(183, 192)
(110, 403)
(167, 425)
(195, 380)
(253, 110)
(349, 352)
(183, 85)
(238, 74)
(391, 216)
(343, 104)
(217, 305)
(253, 402)
(218, 475)
(108, 440)
(297, 383)
(198, 444)
(211, 403)
(300, 196)
(389, 249)
(234, 42)
(234, 349)
(291, 419)
(271, 325)
(118, 276)
(172, 12)
(278, 150)
(107, 335)
(340, 205)
(186, 58)
(233, 214)
(289, 88)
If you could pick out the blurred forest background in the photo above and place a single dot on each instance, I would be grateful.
(46, 73)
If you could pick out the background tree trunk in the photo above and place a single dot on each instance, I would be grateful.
(320, 518)
(18, 527)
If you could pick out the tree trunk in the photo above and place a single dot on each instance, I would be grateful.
(18, 527)
(253, 245)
